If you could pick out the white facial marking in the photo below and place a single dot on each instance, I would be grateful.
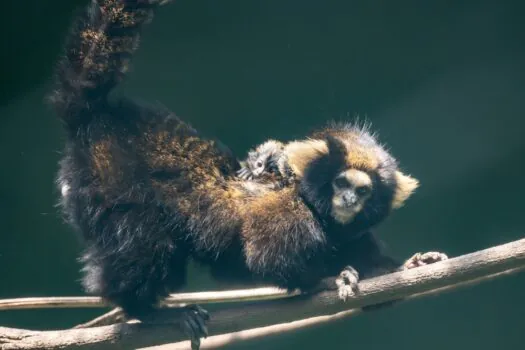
(356, 179)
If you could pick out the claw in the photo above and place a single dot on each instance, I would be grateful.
(195, 344)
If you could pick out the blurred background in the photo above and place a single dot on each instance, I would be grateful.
(442, 81)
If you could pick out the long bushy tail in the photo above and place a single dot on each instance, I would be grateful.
(97, 55)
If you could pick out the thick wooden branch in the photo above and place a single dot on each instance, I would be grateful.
(436, 277)
(222, 340)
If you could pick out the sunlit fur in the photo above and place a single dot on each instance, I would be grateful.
(350, 150)
(359, 158)
(364, 155)
(147, 192)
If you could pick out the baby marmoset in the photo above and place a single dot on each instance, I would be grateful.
(148, 192)
(267, 163)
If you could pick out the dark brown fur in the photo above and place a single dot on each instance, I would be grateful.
(148, 192)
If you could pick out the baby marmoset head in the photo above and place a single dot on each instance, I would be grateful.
(346, 175)
(265, 159)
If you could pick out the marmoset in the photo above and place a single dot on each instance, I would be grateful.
(267, 163)
(148, 192)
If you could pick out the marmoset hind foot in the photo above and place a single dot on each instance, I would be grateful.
(192, 321)
(194, 324)
(347, 283)
(421, 259)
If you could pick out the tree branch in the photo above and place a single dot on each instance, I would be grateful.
(466, 269)
(222, 340)
(264, 293)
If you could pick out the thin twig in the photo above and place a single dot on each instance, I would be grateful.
(232, 318)
(181, 299)
(239, 295)
(114, 316)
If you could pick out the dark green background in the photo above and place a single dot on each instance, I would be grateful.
(442, 81)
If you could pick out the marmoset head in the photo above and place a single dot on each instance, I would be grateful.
(264, 158)
(346, 175)
(351, 190)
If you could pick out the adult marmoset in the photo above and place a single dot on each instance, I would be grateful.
(147, 192)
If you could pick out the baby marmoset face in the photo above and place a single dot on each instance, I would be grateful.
(264, 159)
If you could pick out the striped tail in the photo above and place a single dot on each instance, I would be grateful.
(97, 55)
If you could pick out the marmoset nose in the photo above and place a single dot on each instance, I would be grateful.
(349, 198)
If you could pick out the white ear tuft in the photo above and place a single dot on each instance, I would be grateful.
(405, 186)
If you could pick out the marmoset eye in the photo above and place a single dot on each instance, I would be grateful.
(342, 182)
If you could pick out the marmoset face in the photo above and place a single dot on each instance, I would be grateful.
(352, 188)
(258, 163)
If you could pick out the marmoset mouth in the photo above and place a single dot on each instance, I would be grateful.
(343, 214)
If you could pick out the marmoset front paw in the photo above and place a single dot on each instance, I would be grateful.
(421, 259)
(347, 283)
(244, 174)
